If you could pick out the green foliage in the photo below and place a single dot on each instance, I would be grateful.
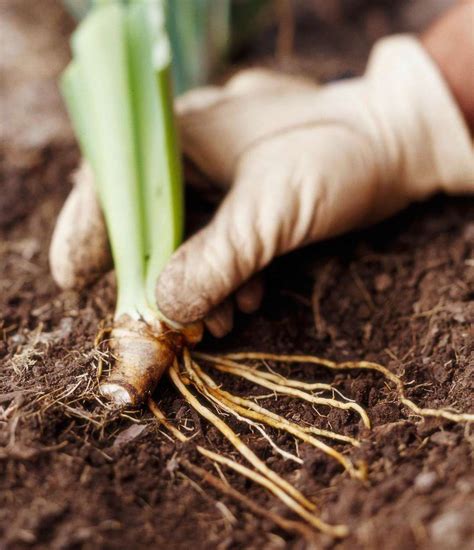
(117, 90)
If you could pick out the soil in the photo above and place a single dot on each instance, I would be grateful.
(76, 474)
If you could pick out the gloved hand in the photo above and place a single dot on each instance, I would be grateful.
(302, 163)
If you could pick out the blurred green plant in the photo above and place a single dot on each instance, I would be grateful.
(201, 33)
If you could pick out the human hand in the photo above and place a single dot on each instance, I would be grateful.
(302, 163)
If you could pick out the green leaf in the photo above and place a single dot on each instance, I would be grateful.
(101, 56)
(157, 150)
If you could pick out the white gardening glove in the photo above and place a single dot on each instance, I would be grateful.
(305, 163)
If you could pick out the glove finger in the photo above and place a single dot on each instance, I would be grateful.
(197, 99)
(220, 320)
(250, 294)
(216, 137)
(217, 124)
(79, 251)
(260, 80)
(244, 82)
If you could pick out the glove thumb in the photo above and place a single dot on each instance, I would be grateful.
(79, 251)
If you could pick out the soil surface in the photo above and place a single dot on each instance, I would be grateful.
(76, 474)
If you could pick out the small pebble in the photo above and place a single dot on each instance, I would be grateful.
(382, 282)
(447, 530)
(425, 481)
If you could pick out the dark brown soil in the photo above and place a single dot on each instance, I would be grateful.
(75, 474)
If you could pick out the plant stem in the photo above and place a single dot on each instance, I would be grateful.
(100, 52)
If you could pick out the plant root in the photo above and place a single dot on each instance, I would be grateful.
(235, 440)
(336, 531)
(249, 409)
(226, 365)
(361, 365)
(421, 411)
(288, 525)
(257, 417)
